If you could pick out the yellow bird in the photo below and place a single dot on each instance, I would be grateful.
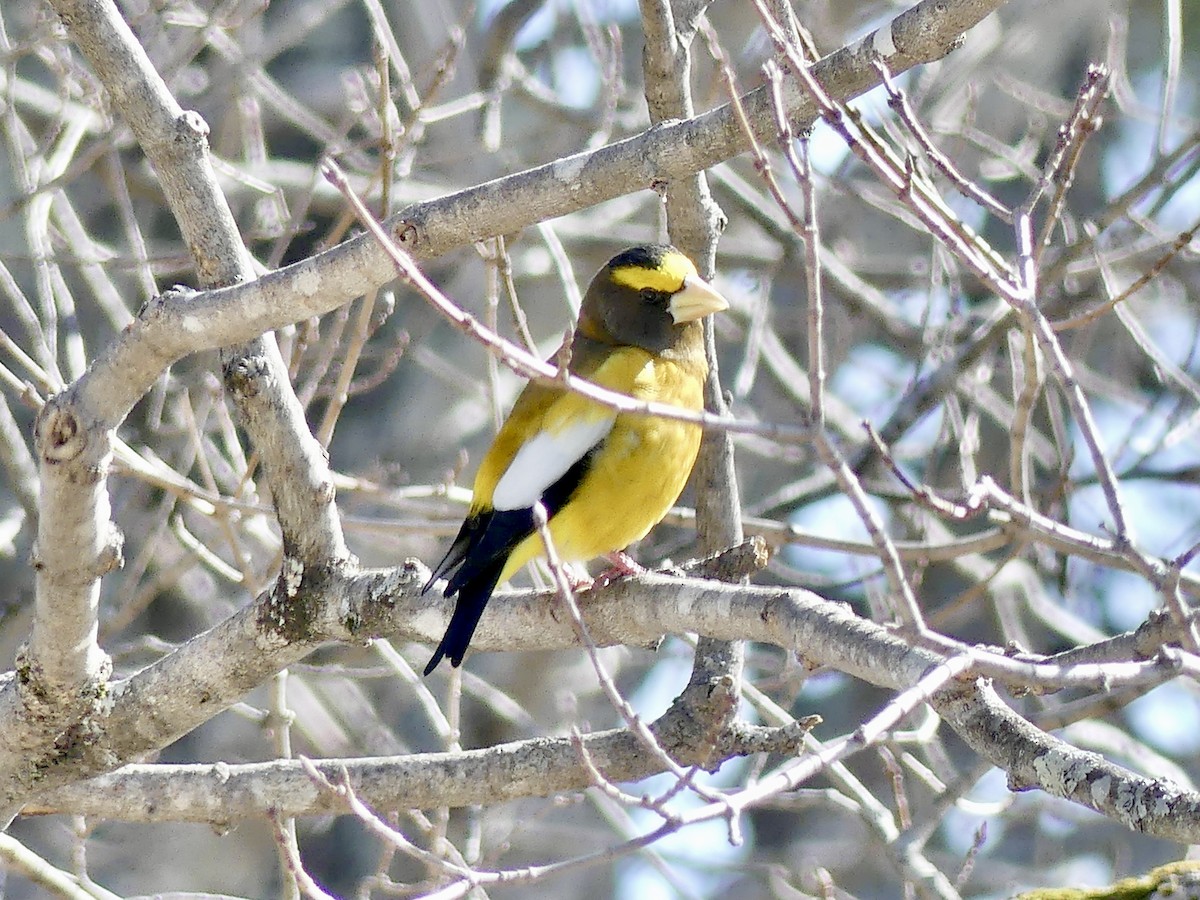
(605, 478)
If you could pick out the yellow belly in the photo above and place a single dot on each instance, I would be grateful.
(632, 483)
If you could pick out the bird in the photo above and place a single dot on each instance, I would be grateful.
(604, 478)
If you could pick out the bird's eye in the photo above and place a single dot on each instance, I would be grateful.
(650, 295)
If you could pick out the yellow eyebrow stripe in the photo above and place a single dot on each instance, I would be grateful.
(668, 276)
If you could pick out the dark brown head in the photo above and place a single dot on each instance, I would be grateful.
(649, 296)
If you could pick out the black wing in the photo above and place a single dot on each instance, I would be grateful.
(476, 558)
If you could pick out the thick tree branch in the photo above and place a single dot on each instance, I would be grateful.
(223, 794)
(273, 632)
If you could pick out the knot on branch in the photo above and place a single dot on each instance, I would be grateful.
(243, 375)
(305, 600)
(191, 129)
(60, 436)
(289, 612)
(699, 719)
(406, 232)
(57, 704)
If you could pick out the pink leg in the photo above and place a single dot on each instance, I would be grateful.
(621, 565)
(577, 577)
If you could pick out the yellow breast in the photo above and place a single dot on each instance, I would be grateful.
(636, 476)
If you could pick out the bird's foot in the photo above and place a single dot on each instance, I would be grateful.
(577, 577)
(620, 565)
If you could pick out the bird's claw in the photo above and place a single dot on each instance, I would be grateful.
(577, 577)
(620, 565)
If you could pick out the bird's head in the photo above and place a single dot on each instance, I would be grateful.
(649, 296)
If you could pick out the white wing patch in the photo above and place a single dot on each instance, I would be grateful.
(544, 459)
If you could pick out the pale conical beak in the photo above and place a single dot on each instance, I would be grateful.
(695, 300)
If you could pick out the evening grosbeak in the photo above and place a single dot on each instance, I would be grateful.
(604, 478)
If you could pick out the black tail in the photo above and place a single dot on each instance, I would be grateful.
(468, 608)
(477, 557)
(473, 565)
